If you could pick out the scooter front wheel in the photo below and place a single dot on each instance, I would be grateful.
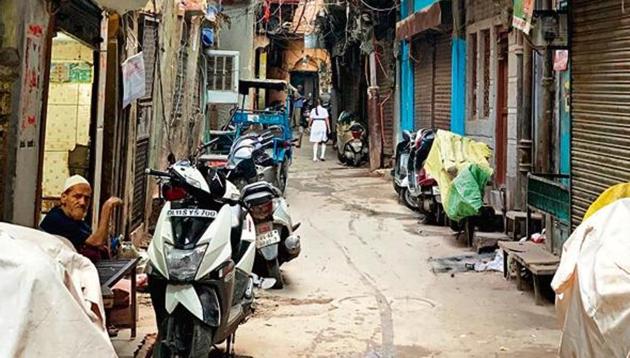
(408, 199)
(273, 268)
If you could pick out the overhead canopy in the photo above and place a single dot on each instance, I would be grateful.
(434, 16)
(245, 85)
(122, 6)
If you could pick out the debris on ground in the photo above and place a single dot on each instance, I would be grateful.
(495, 265)
(460, 263)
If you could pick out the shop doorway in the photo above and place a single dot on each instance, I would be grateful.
(67, 136)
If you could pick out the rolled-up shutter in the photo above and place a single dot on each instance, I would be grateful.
(600, 133)
(442, 83)
(423, 83)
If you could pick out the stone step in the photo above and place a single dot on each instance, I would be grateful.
(483, 241)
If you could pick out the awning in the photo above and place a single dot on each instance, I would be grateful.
(122, 6)
(434, 16)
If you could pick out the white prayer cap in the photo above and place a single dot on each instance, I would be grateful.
(74, 180)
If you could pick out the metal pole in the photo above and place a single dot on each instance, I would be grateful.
(374, 122)
(524, 66)
(100, 122)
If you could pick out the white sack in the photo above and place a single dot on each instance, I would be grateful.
(592, 286)
(50, 301)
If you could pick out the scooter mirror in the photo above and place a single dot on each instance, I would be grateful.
(406, 135)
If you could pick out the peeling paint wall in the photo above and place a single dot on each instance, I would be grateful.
(177, 113)
(9, 75)
(30, 23)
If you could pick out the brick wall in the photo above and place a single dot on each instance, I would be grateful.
(478, 10)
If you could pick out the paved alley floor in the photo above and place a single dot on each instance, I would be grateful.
(363, 285)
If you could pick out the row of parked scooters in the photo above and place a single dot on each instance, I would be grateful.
(416, 189)
(224, 229)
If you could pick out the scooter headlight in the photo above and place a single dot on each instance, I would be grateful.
(183, 264)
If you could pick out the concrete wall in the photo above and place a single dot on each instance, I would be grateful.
(489, 15)
(20, 19)
(179, 122)
(9, 75)
(237, 36)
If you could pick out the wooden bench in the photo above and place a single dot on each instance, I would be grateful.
(534, 258)
(112, 271)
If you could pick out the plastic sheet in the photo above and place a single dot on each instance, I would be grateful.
(460, 166)
(592, 286)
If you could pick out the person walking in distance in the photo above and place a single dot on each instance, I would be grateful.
(319, 123)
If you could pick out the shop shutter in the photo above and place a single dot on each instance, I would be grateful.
(442, 83)
(423, 83)
(600, 133)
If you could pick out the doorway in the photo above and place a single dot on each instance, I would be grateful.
(67, 140)
(308, 80)
(502, 110)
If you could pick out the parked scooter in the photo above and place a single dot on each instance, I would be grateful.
(399, 172)
(200, 262)
(352, 144)
(276, 242)
(423, 190)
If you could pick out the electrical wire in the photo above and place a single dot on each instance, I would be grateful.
(379, 9)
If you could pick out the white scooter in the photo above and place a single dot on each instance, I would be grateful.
(201, 259)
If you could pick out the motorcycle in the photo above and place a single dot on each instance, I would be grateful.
(399, 172)
(423, 190)
(351, 144)
(276, 242)
(200, 262)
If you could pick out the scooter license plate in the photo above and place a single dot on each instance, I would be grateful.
(267, 239)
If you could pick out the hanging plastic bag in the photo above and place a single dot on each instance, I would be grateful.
(133, 78)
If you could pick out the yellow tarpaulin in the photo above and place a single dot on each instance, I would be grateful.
(611, 195)
(460, 166)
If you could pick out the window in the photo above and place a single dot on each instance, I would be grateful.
(222, 76)
(480, 69)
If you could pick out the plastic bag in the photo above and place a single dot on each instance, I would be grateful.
(466, 192)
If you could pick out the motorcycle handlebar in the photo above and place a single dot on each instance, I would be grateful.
(157, 173)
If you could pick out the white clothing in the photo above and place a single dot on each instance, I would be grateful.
(323, 155)
(319, 131)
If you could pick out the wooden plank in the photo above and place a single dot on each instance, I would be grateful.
(543, 270)
(522, 215)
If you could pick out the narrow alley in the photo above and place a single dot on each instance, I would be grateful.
(314, 178)
(364, 286)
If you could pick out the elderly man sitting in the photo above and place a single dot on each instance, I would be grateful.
(68, 219)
